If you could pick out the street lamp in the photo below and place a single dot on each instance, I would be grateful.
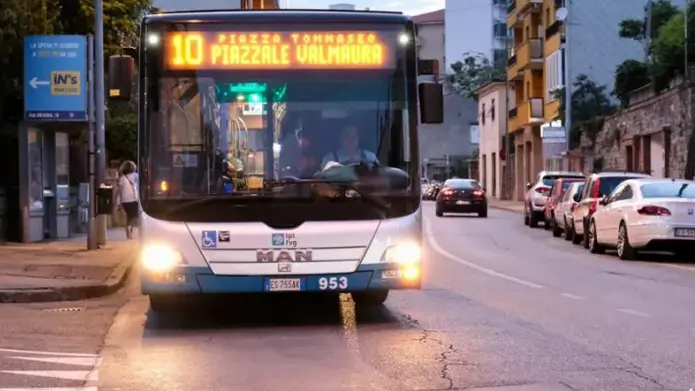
(562, 15)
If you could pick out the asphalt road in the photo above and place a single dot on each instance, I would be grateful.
(503, 307)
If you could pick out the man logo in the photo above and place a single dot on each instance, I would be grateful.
(283, 256)
(65, 83)
(691, 211)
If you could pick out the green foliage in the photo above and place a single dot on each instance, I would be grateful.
(662, 11)
(122, 137)
(668, 49)
(629, 76)
(590, 105)
(473, 72)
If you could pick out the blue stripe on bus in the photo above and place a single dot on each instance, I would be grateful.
(203, 280)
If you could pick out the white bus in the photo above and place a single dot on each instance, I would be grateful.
(278, 151)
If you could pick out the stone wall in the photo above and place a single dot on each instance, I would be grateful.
(663, 116)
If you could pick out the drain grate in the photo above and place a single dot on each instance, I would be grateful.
(74, 309)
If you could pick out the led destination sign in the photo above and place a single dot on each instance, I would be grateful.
(274, 50)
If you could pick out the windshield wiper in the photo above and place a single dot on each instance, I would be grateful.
(210, 199)
(347, 186)
(680, 192)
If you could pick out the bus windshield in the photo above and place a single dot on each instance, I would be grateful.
(217, 132)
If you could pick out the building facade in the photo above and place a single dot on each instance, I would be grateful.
(475, 26)
(492, 106)
(197, 5)
(431, 37)
(538, 65)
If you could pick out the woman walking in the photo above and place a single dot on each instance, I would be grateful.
(127, 197)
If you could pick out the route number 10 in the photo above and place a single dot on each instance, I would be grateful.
(188, 49)
(333, 283)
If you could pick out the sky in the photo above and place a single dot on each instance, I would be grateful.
(410, 7)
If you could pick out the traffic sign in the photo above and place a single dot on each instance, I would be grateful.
(55, 78)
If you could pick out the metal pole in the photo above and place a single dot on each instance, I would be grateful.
(568, 79)
(91, 227)
(100, 109)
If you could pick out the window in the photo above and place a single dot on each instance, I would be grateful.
(553, 75)
(680, 189)
(482, 114)
(492, 110)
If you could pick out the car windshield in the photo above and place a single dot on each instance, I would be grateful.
(549, 180)
(462, 184)
(679, 189)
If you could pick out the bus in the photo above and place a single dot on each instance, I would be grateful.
(278, 152)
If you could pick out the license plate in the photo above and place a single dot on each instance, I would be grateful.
(684, 232)
(462, 202)
(283, 284)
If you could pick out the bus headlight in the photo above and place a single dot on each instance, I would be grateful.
(160, 258)
(404, 253)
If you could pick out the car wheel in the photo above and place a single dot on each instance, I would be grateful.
(625, 250)
(567, 230)
(546, 223)
(585, 236)
(533, 219)
(555, 228)
(594, 246)
(483, 212)
(576, 239)
(439, 212)
(526, 218)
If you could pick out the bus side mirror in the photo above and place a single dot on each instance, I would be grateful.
(431, 103)
(121, 77)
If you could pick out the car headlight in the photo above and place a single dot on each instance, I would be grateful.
(160, 258)
(404, 253)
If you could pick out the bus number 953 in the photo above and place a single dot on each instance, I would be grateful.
(333, 283)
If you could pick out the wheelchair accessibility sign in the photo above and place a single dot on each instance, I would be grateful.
(209, 239)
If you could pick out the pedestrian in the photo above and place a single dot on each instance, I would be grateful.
(127, 196)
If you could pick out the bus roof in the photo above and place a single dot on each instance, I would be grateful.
(282, 15)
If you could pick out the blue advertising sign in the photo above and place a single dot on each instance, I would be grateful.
(55, 78)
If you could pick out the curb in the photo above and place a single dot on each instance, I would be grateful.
(505, 208)
(116, 281)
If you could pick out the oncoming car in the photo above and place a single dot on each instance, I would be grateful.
(461, 196)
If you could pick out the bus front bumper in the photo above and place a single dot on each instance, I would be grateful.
(186, 279)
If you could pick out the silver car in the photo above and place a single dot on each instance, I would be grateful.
(563, 211)
(537, 192)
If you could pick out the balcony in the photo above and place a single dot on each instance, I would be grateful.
(527, 113)
(530, 54)
(553, 29)
(516, 15)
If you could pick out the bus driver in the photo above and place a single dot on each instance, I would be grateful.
(349, 151)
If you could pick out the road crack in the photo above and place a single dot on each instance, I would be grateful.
(444, 358)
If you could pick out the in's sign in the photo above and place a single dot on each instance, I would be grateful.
(55, 78)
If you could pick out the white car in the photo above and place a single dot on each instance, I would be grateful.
(537, 192)
(646, 214)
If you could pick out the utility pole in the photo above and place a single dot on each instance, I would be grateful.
(91, 222)
(448, 172)
(690, 151)
(568, 79)
(100, 156)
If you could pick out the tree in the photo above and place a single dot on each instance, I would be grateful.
(471, 73)
(629, 76)
(661, 12)
(590, 105)
(668, 49)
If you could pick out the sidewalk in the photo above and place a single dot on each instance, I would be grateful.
(64, 270)
(510, 206)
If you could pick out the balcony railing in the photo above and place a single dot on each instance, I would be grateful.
(553, 29)
(530, 53)
(529, 112)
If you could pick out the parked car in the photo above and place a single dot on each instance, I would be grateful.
(596, 187)
(537, 192)
(462, 196)
(646, 214)
(563, 210)
(557, 191)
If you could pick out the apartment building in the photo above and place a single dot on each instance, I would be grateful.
(431, 37)
(475, 26)
(492, 107)
(537, 65)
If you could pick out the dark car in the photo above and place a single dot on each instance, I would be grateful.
(461, 196)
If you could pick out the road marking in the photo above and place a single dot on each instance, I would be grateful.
(490, 272)
(571, 296)
(47, 353)
(87, 376)
(51, 389)
(633, 312)
(85, 361)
